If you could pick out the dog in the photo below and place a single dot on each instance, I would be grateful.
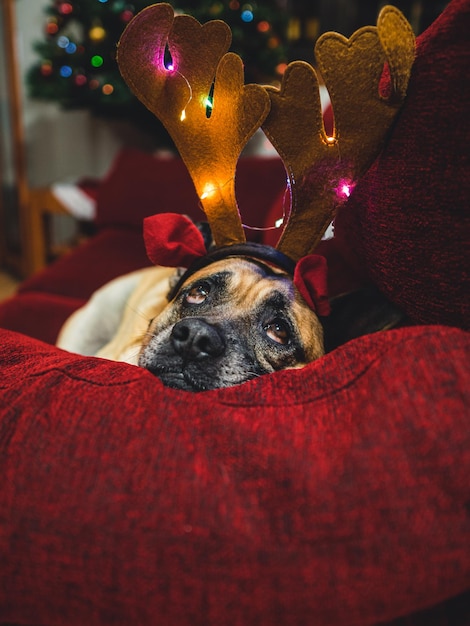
(229, 322)
(225, 321)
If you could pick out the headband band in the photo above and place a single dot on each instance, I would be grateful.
(245, 250)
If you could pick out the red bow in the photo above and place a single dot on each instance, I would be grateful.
(172, 240)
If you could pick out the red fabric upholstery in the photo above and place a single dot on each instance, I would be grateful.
(139, 185)
(407, 223)
(332, 495)
(39, 315)
(110, 253)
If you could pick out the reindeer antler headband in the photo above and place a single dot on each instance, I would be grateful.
(210, 141)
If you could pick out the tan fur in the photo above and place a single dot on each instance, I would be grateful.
(146, 302)
(136, 297)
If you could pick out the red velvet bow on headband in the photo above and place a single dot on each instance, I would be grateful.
(172, 240)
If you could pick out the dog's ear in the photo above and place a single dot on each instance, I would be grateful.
(205, 230)
(174, 279)
(206, 233)
(358, 313)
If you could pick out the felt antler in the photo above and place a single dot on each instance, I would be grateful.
(209, 143)
(319, 167)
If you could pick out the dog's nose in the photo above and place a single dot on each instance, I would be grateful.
(195, 338)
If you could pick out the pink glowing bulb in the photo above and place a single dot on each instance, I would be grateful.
(344, 189)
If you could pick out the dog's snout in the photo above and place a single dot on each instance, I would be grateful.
(195, 338)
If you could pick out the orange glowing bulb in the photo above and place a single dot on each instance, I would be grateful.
(208, 191)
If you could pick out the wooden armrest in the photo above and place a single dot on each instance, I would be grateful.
(42, 203)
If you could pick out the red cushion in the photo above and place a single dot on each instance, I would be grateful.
(110, 253)
(331, 495)
(140, 184)
(407, 222)
(38, 314)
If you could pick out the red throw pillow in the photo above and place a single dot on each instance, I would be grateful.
(331, 495)
(407, 223)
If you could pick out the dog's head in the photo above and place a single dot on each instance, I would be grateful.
(238, 339)
(236, 319)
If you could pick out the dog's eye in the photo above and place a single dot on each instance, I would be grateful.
(197, 294)
(278, 331)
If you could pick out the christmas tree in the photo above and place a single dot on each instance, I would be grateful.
(77, 66)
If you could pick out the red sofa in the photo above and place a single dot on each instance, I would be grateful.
(335, 495)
